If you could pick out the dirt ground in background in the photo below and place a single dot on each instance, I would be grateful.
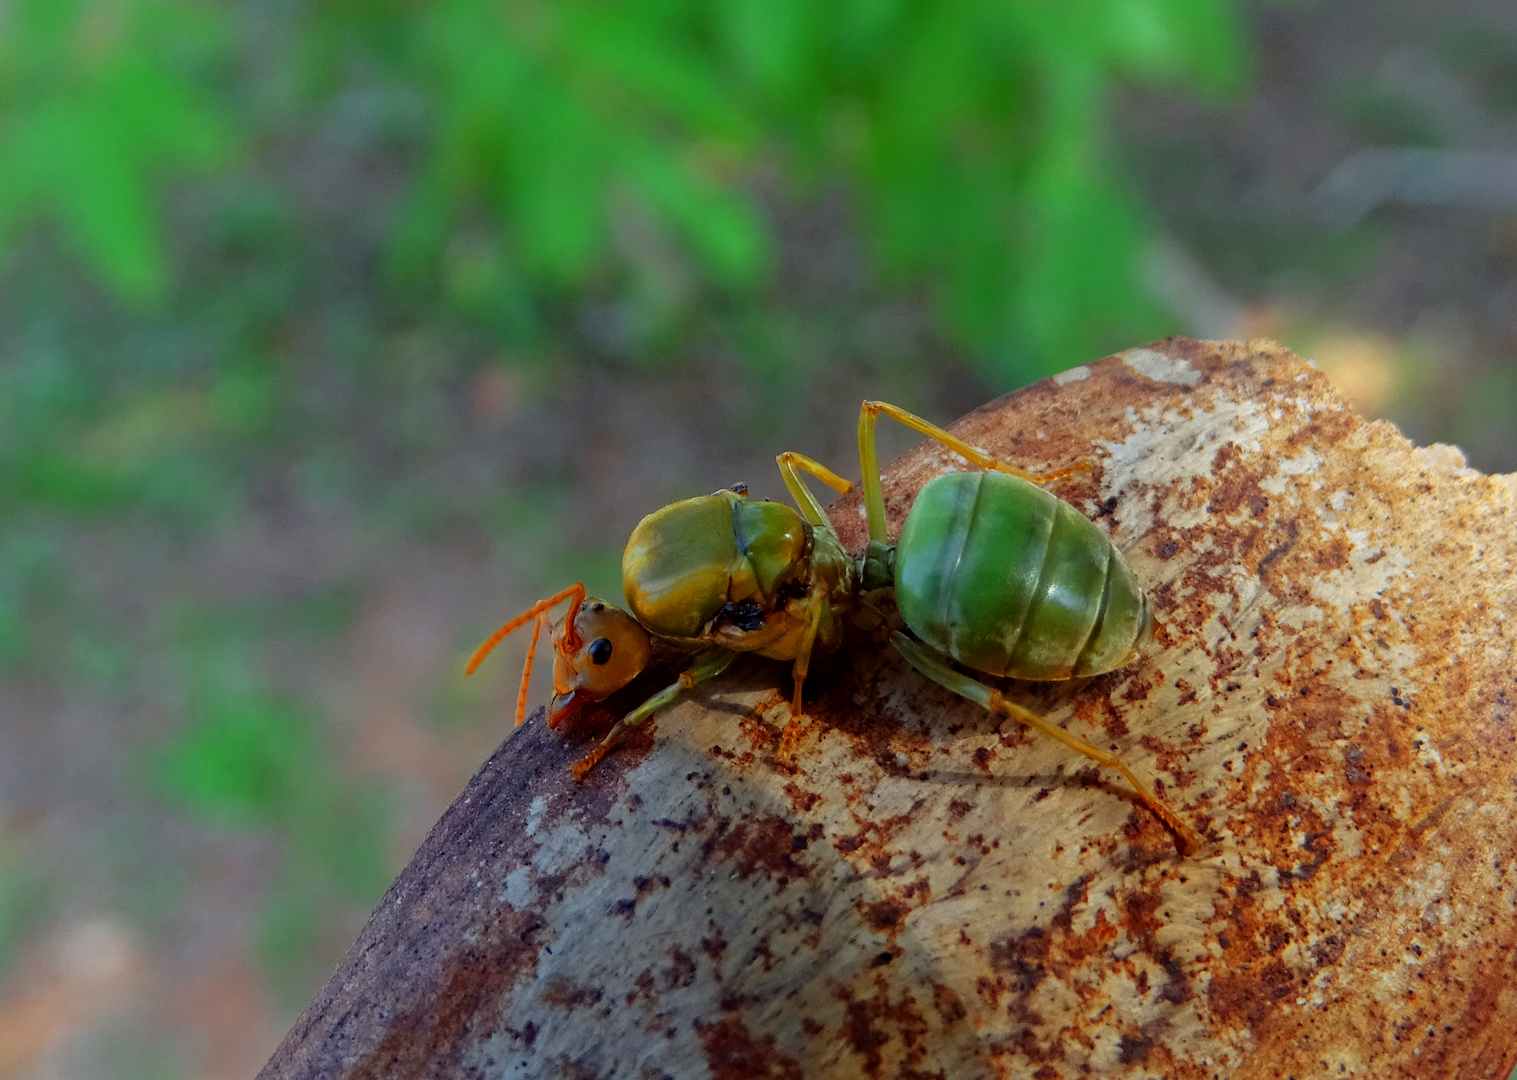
(145, 965)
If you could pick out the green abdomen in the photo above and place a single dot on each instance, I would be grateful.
(1006, 578)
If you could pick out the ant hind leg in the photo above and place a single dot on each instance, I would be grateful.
(931, 665)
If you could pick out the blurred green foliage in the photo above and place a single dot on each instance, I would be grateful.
(1491, 58)
(98, 100)
(1381, 114)
(245, 760)
(23, 897)
(77, 436)
(248, 759)
(637, 153)
(29, 581)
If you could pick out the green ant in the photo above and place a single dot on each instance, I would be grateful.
(989, 570)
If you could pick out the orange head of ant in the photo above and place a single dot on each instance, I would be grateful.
(596, 653)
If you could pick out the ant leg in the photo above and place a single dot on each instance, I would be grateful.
(874, 494)
(802, 663)
(798, 670)
(575, 594)
(791, 466)
(929, 664)
(706, 666)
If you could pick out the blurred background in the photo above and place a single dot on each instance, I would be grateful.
(333, 333)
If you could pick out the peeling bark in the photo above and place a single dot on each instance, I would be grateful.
(926, 893)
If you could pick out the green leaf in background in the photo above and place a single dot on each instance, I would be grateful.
(977, 146)
(561, 151)
(547, 115)
(947, 119)
(244, 759)
(99, 101)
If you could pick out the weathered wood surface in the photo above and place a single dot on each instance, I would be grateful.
(927, 894)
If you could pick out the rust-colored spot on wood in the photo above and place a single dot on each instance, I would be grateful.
(763, 845)
(567, 995)
(801, 799)
(876, 1022)
(732, 1053)
(885, 915)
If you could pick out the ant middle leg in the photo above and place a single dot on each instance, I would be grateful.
(798, 670)
(791, 466)
(869, 461)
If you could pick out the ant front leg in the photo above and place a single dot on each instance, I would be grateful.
(869, 460)
(930, 664)
(706, 666)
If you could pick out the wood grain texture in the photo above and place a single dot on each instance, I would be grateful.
(926, 893)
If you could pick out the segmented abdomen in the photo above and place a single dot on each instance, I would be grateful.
(1006, 578)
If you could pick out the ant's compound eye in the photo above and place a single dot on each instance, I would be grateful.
(600, 650)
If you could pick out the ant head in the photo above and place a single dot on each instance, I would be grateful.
(597, 650)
